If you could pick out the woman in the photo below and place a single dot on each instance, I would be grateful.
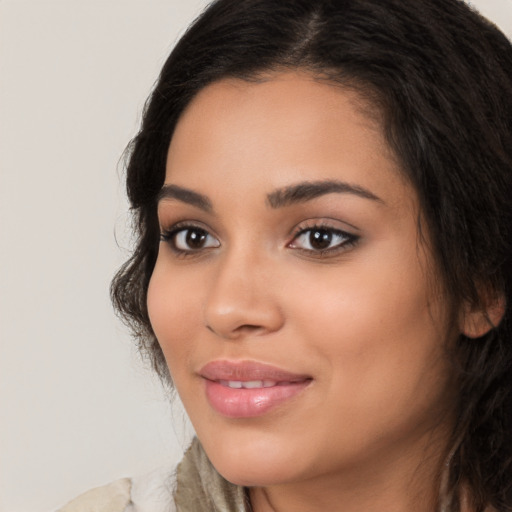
(323, 269)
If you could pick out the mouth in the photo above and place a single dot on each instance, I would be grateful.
(254, 384)
(247, 389)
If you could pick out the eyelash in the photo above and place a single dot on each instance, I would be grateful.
(347, 242)
(349, 239)
(169, 236)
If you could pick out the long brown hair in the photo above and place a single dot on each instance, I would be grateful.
(440, 76)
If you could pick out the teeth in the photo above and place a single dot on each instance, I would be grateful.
(250, 384)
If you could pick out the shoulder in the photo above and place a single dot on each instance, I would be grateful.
(193, 485)
(151, 492)
(114, 497)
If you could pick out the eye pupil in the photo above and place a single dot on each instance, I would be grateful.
(320, 239)
(196, 238)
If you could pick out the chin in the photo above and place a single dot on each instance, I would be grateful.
(254, 475)
(256, 463)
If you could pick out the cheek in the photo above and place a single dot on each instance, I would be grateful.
(173, 301)
(364, 302)
(380, 332)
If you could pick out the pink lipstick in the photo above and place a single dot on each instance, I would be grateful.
(246, 389)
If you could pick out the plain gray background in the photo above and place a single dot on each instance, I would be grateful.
(78, 408)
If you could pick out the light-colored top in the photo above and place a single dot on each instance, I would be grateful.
(195, 486)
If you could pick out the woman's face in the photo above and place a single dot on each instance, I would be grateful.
(292, 295)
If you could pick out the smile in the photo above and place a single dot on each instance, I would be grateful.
(249, 389)
(255, 384)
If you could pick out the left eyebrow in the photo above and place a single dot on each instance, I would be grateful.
(185, 195)
(308, 190)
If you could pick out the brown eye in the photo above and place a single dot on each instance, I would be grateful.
(322, 239)
(191, 239)
(195, 238)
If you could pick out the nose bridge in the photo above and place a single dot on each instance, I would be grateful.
(241, 295)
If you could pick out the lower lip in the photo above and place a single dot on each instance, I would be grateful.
(249, 403)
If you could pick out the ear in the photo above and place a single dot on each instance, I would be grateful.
(479, 319)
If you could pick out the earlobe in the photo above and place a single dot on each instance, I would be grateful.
(479, 319)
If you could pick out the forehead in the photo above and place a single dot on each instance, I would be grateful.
(288, 127)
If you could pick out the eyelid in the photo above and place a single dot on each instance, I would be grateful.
(174, 227)
(323, 225)
(349, 239)
(169, 235)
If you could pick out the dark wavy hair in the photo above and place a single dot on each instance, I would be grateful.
(440, 78)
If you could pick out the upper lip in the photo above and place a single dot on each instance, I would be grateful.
(248, 371)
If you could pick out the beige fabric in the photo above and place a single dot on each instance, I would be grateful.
(153, 492)
(199, 488)
(113, 497)
(196, 484)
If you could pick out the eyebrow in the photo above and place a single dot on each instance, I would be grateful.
(186, 196)
(286, 196)
(308, 190)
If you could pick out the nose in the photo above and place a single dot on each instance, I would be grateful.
(242, 300)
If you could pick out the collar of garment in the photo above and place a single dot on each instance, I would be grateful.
(200, 488)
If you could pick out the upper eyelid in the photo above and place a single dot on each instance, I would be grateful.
(324, 227)
(341, 232)
(166, 233)
(298, 229)
(169, 237)
(184, 224)
(346, 245)
(326, 223)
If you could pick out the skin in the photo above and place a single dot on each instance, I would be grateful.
(363, 320)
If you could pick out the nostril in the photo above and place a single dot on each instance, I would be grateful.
(240, 330)
(248, 327)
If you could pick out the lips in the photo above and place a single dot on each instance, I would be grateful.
(246, 389)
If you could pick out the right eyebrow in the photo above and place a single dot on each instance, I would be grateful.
(185, 195)
(308, 190)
